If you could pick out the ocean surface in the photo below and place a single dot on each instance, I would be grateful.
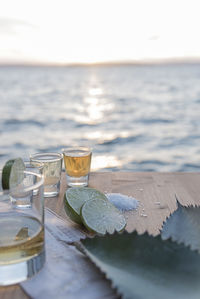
(136, 118)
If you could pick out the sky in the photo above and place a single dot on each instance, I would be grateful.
(91, 31)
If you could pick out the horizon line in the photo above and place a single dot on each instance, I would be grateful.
(164, 61)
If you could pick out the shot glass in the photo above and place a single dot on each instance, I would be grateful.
(77, 162)
(52, 171)
(35, 167)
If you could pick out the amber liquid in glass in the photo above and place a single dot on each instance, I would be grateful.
(77, 162)
(21, 238)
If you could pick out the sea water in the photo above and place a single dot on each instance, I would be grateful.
(136, 118)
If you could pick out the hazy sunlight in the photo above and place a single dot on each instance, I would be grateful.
(88, 31)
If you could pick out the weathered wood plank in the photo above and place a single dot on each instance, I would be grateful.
(11, 292)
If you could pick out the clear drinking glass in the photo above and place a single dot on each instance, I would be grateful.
(52, 171)
(77, 165)
(36, 167)
(22, 251)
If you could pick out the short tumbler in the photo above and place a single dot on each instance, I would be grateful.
(22, 252)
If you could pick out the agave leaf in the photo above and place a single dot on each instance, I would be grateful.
(183, 226)
(143, 266)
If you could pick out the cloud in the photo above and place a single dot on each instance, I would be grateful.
(154, 37)
(11, 26)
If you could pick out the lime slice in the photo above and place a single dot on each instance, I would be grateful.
(71, 213)
(13, 173)
(76, 197)
(101, 216)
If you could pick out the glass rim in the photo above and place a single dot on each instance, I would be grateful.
(29, 188)
(28, 162)
(35, 157)
(77, 147)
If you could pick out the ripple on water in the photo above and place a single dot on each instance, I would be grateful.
(26, 122)
(122, 140)
(156, 106)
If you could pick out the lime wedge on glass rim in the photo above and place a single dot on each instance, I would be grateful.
(101, 216)
(12, 173)
(76, 197)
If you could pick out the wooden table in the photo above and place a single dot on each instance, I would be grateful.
(156, 192)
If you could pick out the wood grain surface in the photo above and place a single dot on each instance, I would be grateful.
(156, 192)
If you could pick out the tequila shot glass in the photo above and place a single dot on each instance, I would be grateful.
(77, 162)
(52, 171)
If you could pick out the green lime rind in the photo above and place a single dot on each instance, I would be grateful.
(6, 174)
(91, 208)
(13, 173)
(76, 197)
(71, 213)
(102, 217)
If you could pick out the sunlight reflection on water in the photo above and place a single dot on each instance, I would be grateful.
(136, 118)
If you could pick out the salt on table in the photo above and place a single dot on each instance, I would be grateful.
(122, 202)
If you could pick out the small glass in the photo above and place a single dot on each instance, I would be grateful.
(36, 167)
(52, 171)
(22, 251)
(77, 165)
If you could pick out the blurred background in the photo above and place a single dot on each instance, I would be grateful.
(122, 76)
